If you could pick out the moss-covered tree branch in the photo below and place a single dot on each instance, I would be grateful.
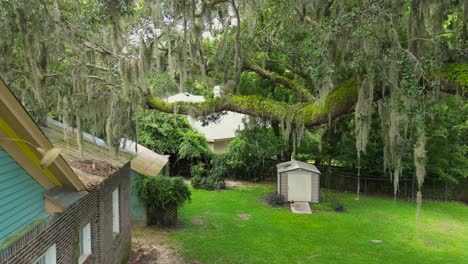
(341, 101)
(338, 103)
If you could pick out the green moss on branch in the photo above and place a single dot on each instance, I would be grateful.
(339, 102)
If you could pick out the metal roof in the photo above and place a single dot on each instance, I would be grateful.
(93, 149)
(146, 162)
(296, 165)
(23, 137)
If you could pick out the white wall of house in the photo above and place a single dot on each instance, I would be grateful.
(218, 134)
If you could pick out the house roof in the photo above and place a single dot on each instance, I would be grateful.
(146, 162)
(296, 165)
(93, 149)
(224, 128)
(185, 97)
(18, 132)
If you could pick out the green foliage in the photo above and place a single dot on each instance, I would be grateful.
(457, 73)
(247, 154)
(161, 191)
(172, 135)
(447, 144)
(193, 146)
(162, 132)
(209, 179)
(199, 88)
(446, 147)
(162, 85)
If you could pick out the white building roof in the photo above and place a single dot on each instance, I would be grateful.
(224, 128)
(185, 97)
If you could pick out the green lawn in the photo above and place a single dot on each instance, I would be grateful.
(215, 229)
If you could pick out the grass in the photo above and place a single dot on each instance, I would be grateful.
(215, 230)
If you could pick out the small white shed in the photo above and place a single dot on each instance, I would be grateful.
(298, 181)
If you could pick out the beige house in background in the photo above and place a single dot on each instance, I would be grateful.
(218, 134)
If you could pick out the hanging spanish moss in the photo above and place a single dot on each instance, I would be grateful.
(420, 165)
(363, 115)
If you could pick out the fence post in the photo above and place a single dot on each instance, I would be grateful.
(365, 185)
(446, 191)
(406, 195)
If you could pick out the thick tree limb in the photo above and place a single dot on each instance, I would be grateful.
(338, 103)
(303, 93)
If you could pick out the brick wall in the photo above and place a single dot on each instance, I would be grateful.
(114, 248)
(62, 229)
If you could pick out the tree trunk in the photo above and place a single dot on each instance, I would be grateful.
(418, 207)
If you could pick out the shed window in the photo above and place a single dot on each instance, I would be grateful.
(49, 257)
(85, 243)
(115, 212)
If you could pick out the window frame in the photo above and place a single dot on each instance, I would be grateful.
(116, 212)
(48, 257)
(84, 246)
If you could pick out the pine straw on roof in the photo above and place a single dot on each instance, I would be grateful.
(94, 167)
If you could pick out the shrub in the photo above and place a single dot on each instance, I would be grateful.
(339, 208)
(162, 195)
(247, 155)
(203, 178)
(199, 173)
(275, 199)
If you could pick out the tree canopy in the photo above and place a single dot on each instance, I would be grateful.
(298, 63)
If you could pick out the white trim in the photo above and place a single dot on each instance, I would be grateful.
(49, 257)
(85, 243)
(115, 211)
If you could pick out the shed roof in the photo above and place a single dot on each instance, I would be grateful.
(93, 149)
(146, 162)
(295, 165)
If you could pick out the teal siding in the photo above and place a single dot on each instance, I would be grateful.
(21, 198)
(138, 207)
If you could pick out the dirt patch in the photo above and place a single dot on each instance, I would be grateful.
(198, 220)
(240, 184)
(152, 248)
(244, 216)
(233, 184)
(447, 226)
(378, 217)
(94, 167)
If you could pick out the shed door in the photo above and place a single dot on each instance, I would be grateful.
(299, 186)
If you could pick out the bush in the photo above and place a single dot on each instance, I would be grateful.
(162, 195)
(247, 156)
(172, 135)
(199, 173)
(203, 178)
(275, 199)
(339, 208)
